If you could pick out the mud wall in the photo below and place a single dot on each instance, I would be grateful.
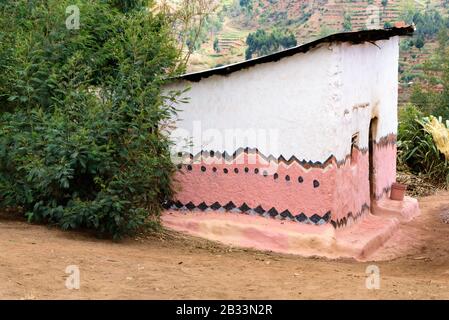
(275, 140)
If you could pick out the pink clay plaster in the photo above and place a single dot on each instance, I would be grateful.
(357, 241)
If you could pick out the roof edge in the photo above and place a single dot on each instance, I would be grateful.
(355, 37)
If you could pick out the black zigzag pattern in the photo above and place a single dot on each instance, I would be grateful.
(244, 208)
(315, 219)
(339, 223)
(228, 157)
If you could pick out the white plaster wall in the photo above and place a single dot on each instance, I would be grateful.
(369, 75)
(295, 106)
(285, 102)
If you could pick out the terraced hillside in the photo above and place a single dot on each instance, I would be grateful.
(307, 19)
(312, 19)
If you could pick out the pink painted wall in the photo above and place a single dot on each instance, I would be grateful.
(283, 189)
(352, 190)
(343, 189)
(384, 159)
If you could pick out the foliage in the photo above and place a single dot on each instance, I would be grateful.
(419, 43)
(436, 69)
(347, 24)
(247, 4)
(128, 5)
(81, 113)
(428, 22)
(440, 134)
(388, 25)
(191, 21)
(263, 43)
(416, 146)
(196, 37)
(216, 45)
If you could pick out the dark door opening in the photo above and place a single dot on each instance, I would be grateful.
(372, 169)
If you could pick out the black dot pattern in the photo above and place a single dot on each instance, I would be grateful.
(315, 182)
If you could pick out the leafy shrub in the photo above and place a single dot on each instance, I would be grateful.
(81, 113)
(416, 147)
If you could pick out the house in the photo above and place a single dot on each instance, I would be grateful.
(293, 152)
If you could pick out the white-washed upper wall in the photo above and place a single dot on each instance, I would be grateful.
(283, 107)
(295, 106)
(370, 76)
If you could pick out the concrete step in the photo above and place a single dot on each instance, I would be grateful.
(357, 241)
(404, 210)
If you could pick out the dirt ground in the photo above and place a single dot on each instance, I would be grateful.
(34, 258)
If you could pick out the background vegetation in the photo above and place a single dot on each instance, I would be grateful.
(82, 113)
(430, 98)
(262, 43)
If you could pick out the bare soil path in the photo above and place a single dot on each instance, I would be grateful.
(33, 260)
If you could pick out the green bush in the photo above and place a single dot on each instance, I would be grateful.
(416, 148)
(262, 43)
(81, 113)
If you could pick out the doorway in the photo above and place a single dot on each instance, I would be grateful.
(372, 168)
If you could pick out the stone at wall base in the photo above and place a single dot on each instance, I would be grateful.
(357, 241)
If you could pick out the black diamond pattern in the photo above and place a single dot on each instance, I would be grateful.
(286, 214)
(215, 206)
(230, 206)
(273, 212)
(327, 216)
(178, 204)
(315, 218)
(260, 210)
(190, 205)
(203, 206)
(301, 217)
(244, 207)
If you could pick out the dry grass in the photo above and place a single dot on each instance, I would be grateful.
(418, 186)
